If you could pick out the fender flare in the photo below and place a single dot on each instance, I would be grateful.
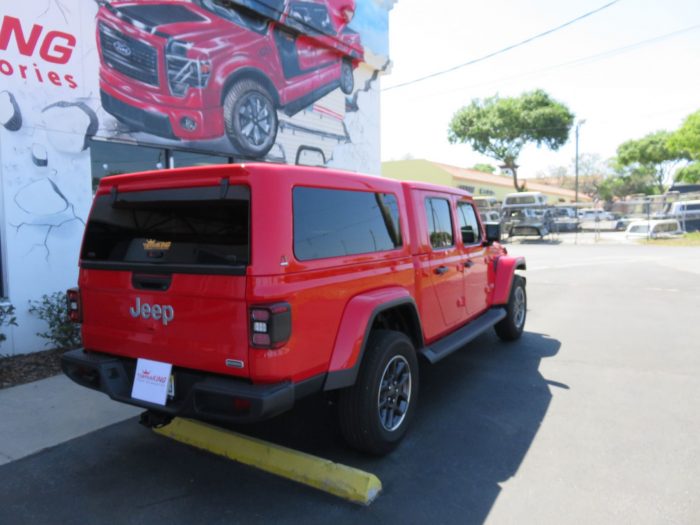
(355, 327)
(505, 270)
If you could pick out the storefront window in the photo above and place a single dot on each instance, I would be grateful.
(113, 158)
(181, 159)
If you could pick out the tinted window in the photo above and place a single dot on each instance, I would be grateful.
(241, 13)
(166, 228)
(331, 223)
(468, 225)
(439, 222)
(310, 18)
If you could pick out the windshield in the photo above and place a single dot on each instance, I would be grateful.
(236, 13)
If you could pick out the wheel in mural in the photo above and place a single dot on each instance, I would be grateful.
(250, 117)
(347, 79)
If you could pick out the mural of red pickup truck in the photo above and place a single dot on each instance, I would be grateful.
(196, 70)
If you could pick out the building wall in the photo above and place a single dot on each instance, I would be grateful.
(477, 183)
(58, 132)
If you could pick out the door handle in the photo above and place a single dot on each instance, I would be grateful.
(440, 270)
(468, 263)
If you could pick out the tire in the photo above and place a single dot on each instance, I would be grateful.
(347, 78)
(511, 326)
(390, 365)
(250, 117)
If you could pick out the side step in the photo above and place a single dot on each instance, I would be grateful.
(470, 331)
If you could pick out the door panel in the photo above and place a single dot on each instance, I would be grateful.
(475, 259)
(445, 263)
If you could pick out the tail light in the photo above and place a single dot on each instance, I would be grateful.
(270, 325)
(75, 308)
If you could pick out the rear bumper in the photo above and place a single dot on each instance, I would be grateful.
(197, 394)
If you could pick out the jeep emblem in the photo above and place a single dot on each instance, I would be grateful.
(163, 313)
(122, 48)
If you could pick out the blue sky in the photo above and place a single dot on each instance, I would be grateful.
(622, 95)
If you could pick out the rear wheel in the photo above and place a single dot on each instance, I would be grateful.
(250, 117)
(376, 411)
(511, 327)
(347, 79)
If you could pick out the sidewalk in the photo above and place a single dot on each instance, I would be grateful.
(46, 413)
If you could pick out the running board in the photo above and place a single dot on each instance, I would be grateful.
(464, 335)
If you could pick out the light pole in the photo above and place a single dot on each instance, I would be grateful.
(578, 125)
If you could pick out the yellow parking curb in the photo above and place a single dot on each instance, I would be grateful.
(340, 480)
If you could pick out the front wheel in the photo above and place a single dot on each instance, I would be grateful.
(376, 411)
(511, 326)
(250, 117)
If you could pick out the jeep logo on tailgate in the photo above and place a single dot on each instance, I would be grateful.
(164, 313)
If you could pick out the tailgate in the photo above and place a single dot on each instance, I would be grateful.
(163, 276)
(198, 322)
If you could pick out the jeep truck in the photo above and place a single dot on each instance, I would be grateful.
(259, 284)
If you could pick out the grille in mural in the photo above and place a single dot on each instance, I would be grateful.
(129, 56)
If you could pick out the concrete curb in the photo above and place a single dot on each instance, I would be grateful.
(346, 482)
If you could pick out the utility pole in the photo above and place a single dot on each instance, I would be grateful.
(578, 125)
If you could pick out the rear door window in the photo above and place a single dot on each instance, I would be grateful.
(332, 223)
(190, 230)
(439, 222)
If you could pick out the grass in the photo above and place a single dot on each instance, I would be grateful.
(688, 239)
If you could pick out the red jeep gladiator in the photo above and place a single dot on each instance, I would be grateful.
(200, 69)
(258, 284)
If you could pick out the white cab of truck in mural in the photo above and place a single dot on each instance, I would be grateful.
(290, 81)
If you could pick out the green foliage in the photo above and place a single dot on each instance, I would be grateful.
(53, 309)
(500, 127)
(484, 168)
(627, 182)
(651, 154)
(7, 318)
(686, 140)
(689, 173)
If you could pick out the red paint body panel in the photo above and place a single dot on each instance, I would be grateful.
(505, 269)
(353, 328)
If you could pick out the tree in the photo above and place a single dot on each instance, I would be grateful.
(485, 168)
(500, 127)
(689, 173)
(686, 140)
(653, 154)
(627, 181)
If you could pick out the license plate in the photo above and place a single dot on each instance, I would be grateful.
(152, 381)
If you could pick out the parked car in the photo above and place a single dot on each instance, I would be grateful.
(594, 214)
(523, 221)
(202, 69)
(525, 198)
(189, 286)
(654, 229)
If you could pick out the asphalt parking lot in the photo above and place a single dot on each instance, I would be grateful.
(592, 417)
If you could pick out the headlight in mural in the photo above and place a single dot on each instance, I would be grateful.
(10, 115)
(40, 157)
(185, 72)
(69, 125)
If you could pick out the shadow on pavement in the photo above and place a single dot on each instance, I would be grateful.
(478, 414)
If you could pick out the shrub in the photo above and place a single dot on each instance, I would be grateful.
(7, 318)
(53, 309)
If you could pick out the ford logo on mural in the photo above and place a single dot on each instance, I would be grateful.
(122, 48)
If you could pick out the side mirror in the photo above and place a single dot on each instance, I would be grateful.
(493, 233)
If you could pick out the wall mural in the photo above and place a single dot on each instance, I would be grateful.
(291, 81)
